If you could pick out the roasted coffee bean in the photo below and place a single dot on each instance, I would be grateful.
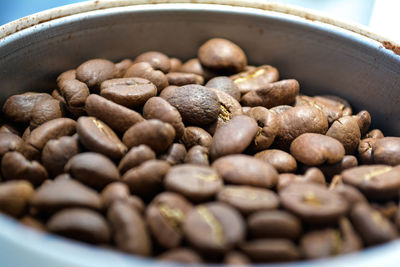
(387, 210)
(377, 182)
(320, 149)
(167, 91)
(339, 102)
(75, 94)
(165, 216)
(196, 136)
(274, 224)
(267, 127)
(371, 225)
(153, 133)
(146, 180)
(33, 223)
(197, 183)
(65, 76)
(312, 175)
(14, 197)
(226, 85)
(95, 71)
(44, 111)
(115, 191)
(321, 244)
(313, 203)
(181, 255)
(118, 117)
(351, 241)
(9, 128)
(332, 109)
(214, 227)
(233, 137)
(64, 193)
(364, 121)
(145, 70)
(274, 94)
(57, 152)
(330, 170)
(136, 156)
(182, 78)
(175, 155)
(280, 109)
(218, 53)
(18, 108)
(386, 150)
(351, 194)
(280, 160)
(10, 142)
(53, 129)
(346, 131)
(270, 250)
(298, 120)
(197, 104)
(194, 66)
(176, 64)
(158, 108)
(235, 258)
(14, 166)
(81, 224)
(92, 169)
(255, 78)
(26, 133)
(197, 155)
(246, 170)
(375, 133)
(365, 150)
(248, 199)
(122, 67)
(136, 202)
(130, 232)
(157, 60)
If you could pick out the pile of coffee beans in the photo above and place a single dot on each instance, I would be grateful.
(207, 161)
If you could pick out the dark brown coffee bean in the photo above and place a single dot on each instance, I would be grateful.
(321, 244)
(146, 180)
(214, 227)
(274, 94)
(122, 67)
(18, 108)
(74, 93)
(377, 182)
(165, 215)
(298, 120)
(95, 71)
(145, 70)
(158, 108)
(280, 160)
(130, 233)
(270, 250)
(267, 127)
(10, 142)
(364, 121)
(197, 104)
(182, 78)
(136, 202)
(81, 224)
(14, 166)
(57, 152)
(64, 193)
(226, 85)
(235, 258)
(115, 191)
(218, 53)
(194, 66)
(65, 76)
(274, 224)
(248, 199)
(197, 183)
(233, 137)
(96, 136)
(33, 223)
(255, 78)
(176, 64)
(312, 175)
(180, 255)
(154, 133)
(118, 117)
(14, 197)
(351, 194)
(346, 131)
(44, 111)
(313, 203)
(197, 155)
(175, 155)
(157, 60)
(351, 241)
(316, 149)
(53, 129)
(373, 228)
(129, 92)
(365, 150)
(375, 133)
(332, 109)
(386, 150)
(92, 169)
(136, 156)
(196, 136)
(246, 170)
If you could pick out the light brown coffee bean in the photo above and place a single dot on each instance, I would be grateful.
(153, 133)
(116, 191)
(312, 175)
(255, 78)
(267, 127)
(175, 155)
(95, 71)
(332, 101)
(92, 169)
(346, 131)
(235, 258)
(196, 136)
(33, 223)
(364, 121)
(96, 136)
(157, 60)
(280, 109)
(10, 128)
(122, 67)
(386, 150)
(65, 76)
(136, 202)
(365, 150)
(14, 197)
(194, 66)
(145, 70)
(246, 170)
(351, 241)
(10, 142)
(226, 85)
(180, 255)
(197, 155)
(74, 93)
(321, 244)
(182, 78)
(280, 160)
(332, 109)
(270, 250)
(176, 64)
(135, 156)
(44, 111)
(375, 133)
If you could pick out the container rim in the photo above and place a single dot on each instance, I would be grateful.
(87, 6)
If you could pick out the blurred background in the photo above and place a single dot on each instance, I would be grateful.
(380, 15)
